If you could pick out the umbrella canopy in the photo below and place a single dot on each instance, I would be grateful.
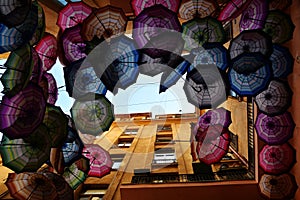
(93, 114)
(277, 159)
(22, 113)
(49, 86)
(153, 21)
(31, 185)
(83, 164)
(279, 4)
(275, 130)
(56, 160)
(73, 176)
(278, 187)
(107, 21)
(250, 74)
(100, 160)
(28, 154)
(73, 44)
(47, 50)
(139, 5)
(150, 66)
(87, 138)
(213, 144)
(37, 71)
(282, 61)
(275, 99)
(41, 24)
(253, 17)
(233, 9)
(198, 31)
(205, 87)
(72, 14)
(279, 26)
(18, 71)
(82, 79)
(250, 41)
(198, 8)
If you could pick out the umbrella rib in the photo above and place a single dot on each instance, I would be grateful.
(46, 56)
(101, 23)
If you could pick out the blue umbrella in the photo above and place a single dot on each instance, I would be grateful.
(282, 61)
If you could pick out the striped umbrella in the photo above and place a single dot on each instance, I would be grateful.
(107, 21)
(22, 113)
(93, 114)
(233, 9)
(28, 154)
(139, 5)
(49, 86)
(41, 24)
(36, 75)
(73, 176)
(73, 44)
(47, 50)
(100, 160)
(279, 26)
(18, 71)
(278, 187)
(275, 99)
(198, 8)
(31, 185)
(150, 66)
(198, 31)
(279, 4)
(275, 130)
(277, 159)
(72, 14)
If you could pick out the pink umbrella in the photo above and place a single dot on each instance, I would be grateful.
(139, 5)
(233, 9)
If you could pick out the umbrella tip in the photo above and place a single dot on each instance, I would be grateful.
(162, 89)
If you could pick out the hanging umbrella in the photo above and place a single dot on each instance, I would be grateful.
(56, 160)
(279, 4)
(277, 159)
(27, 154)
(72, 14)
(49, 86)
(41, 25)
(107, 21)
(56, 122)
(93, 114)
(150, 66)
(47, 50)
(253, 17)
(250, 74)
(22, 113)
(205, 87)
(100, 160)
(275, 130)
(73, 44)
(18, 67)
(36, 75)
(139, 5)
(198, 8)
(279, 26)
(213, 145)
(152, 21)
(87, 138)
(250, 41)
(73, 176)
(275, 99)
(282, 61)
(83, 164)
(81, 79)
(31, 185)
(278, 187)
(233, 9)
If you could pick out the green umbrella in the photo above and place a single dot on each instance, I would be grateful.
(41, 25)
(74, 176)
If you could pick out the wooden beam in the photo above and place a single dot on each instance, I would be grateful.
(52, 4)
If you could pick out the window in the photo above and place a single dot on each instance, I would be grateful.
(164, 127)
(164, 156)
(117, 160)
(130, 131)
(125, 142)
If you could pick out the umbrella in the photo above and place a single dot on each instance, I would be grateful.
(100, 160)
(56, 160)
(233, 9)
(27, 154)
(282, 61)
(22, 113)
(250, 74)
(250, 41)
(72, 147)
(48, 84)
(72, 14)
(279, 26)
(41, 25)
(152, 21)
(93, 114)
(31, 185)
(198, 8)
(139, 5)
(73, 176)
(83, 164)
(47, 50)
(87, 138)
(56, 121)
(36, 75)
(279, 4)
(275, 99)
(275, 130)
(81, 79)
(198, 31)
(213, 144)
(107, 21)
(278, 187)
(205, 87)
(73, 44)
(253, 17)
(18, 71)
(150, 66)
(277, 159)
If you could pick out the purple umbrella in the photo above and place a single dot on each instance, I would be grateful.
(233, 9)
(49, 86)
(139, 5)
